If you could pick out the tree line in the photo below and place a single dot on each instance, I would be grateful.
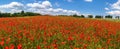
(91, 16)
(19, 14)
(22, 14)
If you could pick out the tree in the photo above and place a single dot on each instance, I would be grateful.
(64, 15)
(90, 16)
(117, 17)
(98, 16)
(0, 13)
(82, 16)
(16, 14)
(108, 16)
(5, 14)
(22, 12)
(31, 14)
(75, 15)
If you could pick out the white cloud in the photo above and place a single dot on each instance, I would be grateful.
(44, 4)
(47, 4)
(116, 5)
(15, 10)
(114, 8)
(44, 7)
(117, 12)
(12, 5)
(36, 5)
(56, 11)
(106, 8)
(88, 0)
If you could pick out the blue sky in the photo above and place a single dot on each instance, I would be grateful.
(94, 7)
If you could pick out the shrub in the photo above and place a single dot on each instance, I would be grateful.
(98, 16)
(108, 16)
(90, 16)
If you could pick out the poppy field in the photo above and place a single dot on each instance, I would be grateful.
(50, 32)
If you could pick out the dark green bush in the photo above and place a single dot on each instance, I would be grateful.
(19, 14)
(98, 16)
(81, 16)
(108, 16)
(90, 16)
